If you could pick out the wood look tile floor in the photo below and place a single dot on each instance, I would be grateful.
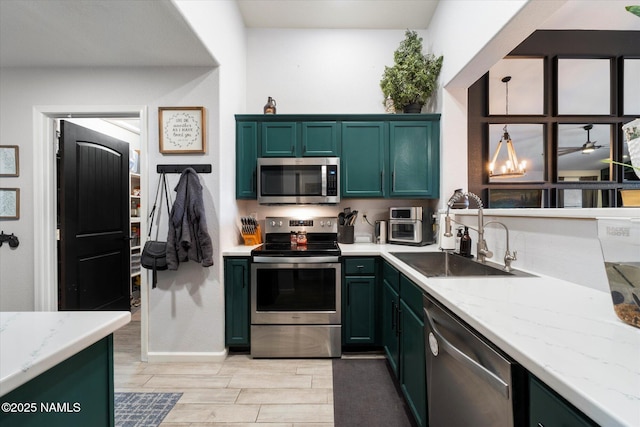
(238, 392)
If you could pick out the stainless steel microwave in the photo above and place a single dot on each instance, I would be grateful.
(299, 180)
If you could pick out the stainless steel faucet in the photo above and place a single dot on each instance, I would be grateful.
(482, 249)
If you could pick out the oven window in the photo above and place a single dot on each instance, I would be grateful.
(300, 180)
(296, 289)
(403, 231)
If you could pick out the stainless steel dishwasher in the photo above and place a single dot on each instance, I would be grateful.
(469, 381)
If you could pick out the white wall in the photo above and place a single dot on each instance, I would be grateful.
(318, 71)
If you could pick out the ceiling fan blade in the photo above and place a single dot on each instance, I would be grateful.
(568, 150)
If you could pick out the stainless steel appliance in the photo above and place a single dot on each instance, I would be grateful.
(469, 381)
(295, 290)
(298, 180)
(381, 232)
(410, 226)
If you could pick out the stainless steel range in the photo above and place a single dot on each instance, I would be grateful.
(295, 289)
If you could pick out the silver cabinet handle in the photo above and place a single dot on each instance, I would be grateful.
(482, 372)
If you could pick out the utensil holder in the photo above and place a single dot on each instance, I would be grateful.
(345, 233)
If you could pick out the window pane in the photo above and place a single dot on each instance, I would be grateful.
(528, 142)
(575, 160)
(584, 86)
(526, 87)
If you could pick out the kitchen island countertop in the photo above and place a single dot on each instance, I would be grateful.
(565, 334)
(34, 342)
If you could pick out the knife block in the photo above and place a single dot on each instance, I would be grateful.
(251, 239)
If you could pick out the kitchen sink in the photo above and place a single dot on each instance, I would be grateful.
(444, 264)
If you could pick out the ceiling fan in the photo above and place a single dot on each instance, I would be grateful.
(586, 148)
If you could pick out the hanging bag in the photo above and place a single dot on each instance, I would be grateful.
(154, 254)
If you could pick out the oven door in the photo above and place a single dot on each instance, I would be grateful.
(286, 293)
(405, 231)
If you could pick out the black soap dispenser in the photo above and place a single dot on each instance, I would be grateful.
(465, 243)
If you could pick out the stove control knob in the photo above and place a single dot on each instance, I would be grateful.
(329, 223)
(279, 223)
(273, 223)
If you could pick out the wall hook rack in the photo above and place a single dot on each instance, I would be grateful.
(201, 168)
(11, 238)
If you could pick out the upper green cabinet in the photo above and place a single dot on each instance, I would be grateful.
(414, 159)
(299, 139)
(363, 159)
(246, 160)
(278, 139)
(381, 155)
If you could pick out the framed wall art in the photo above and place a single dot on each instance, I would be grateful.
(182, 130)
(9, 160)
(9, 203)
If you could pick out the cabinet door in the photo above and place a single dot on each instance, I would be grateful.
(546, 409)
(236, 297)
(246, 160)
(413, 379)
(278, 139)
(320, 139)
(359, 308)
(390, 333)
(414, 159)
(363, 159)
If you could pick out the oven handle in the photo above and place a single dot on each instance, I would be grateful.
(294, 260)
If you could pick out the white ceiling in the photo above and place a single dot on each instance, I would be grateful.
(349, 14)
(95, 33)
(119, 33)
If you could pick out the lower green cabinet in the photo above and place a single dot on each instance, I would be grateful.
(547, 409)
(403, 338)
(413, 379)
(236, 301)
(359, 301)
(390, 308)
(359, 310)
(78, 391)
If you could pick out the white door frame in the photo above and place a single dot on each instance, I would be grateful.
(45, 203)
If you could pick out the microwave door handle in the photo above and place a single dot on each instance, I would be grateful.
(323, 179)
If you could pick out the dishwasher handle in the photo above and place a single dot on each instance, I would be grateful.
(482, 372)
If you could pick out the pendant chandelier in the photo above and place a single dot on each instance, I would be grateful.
(511, 167)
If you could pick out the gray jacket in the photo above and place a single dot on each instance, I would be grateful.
(188, 238)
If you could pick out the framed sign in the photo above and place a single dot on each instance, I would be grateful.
(9, 162)
(9, 203)
(182, 130)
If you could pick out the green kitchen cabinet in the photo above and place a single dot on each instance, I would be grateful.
(246, 160)
(390, 333)
(413, 379)
(414, 159)
(362, 162)
(403, 338)
(319, 139)
(78, 391)
(359, 301)
(278, 139)
(547, 408)
(236, 298)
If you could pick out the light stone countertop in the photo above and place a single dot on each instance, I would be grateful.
(34, 342)
(565, 334)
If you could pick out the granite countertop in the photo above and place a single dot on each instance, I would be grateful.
(563, 333)
(34, 342)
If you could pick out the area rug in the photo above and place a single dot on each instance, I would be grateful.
(143, 409)
(364, 394)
